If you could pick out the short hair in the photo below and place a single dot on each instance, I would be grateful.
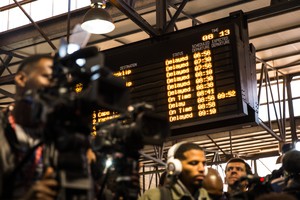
(240, 160)
(179, 154)
(31, 60)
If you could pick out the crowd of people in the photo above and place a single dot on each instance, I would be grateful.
(194, 180)
(24, 176)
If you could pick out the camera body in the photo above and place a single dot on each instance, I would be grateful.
(67, 120)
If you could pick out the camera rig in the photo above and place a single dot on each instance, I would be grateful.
(67, 120)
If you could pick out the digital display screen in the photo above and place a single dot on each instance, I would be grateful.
(198, 77)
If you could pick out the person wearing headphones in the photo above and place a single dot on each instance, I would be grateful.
(186, 167)
(235, 169)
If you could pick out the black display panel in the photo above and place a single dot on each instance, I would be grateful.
(201, 78)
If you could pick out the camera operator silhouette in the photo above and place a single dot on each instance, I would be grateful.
(235, 169)
(291, 167)
(21, 170)
(186, 167)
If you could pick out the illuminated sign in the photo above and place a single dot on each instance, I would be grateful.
(201, 78)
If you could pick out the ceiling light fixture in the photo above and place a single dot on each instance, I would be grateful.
(97, 20)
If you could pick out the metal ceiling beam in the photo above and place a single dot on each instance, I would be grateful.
(134, 16)
(219, 8)
(170, 15)
(216, 144)
(35, 25)
(271, 11)
(270, 131)
(297, 53)
(13, 5)
(288, 65)
(161, 17)
(196, 21)
(5, 63)
(8, 94)
(5, 103)
(274, 32)
(10, 53)
(170, 26)
(278, 45)
(56, 27)
(291, 109)
(9, 79)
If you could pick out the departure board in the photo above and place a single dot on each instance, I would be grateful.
(200, 78)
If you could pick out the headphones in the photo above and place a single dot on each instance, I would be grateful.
(174, 166)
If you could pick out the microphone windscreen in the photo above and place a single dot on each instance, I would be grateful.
(81, 53)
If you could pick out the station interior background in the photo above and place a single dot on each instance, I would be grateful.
(274, 27)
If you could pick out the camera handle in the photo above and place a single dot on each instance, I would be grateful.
(71, 186)
(104, 178)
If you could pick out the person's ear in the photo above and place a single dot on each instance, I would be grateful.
(20, 79)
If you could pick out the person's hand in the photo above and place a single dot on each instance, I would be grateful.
(91, 156)
(43, 189)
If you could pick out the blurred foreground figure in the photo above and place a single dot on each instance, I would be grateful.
(22, 175)
(186, 168)
(291, 167)
(276, 196)
(213, 184)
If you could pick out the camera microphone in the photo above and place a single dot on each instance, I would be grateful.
(253, 179)
(250, 179)
(81, 53)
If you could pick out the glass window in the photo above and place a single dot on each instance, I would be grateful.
(60, 7)
(38, 10)
(296, 105)
(4, 3)
(3, 21)
(275, 90)
(17, 17)
(266, 165)
(73, 5)
(263, 111)
(82, 3)
(295, 84)
(41, 9)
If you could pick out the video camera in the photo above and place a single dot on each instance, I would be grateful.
(257, 186)
(67, 116)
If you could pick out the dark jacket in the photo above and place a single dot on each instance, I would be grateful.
(176, 192)
(15, 144)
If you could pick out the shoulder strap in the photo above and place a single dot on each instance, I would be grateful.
(9, 132)
(11, 138)
(165, 193)
(10, 179)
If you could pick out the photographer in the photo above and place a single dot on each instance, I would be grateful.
(186, 165)
(21, 167)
